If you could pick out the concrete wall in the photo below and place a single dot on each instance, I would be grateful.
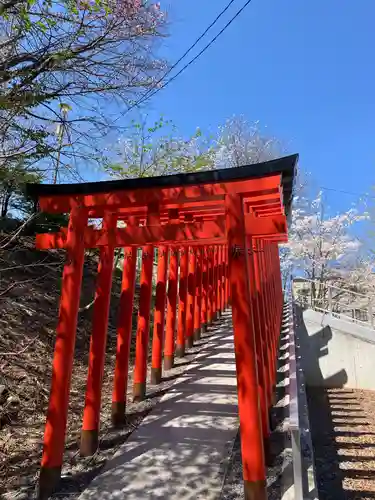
(335, 353)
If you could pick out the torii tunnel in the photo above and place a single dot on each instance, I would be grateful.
(217, 236)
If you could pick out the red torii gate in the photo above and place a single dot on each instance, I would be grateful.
(221, 229)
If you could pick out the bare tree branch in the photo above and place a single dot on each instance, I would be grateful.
(94, 60)
(19, 231)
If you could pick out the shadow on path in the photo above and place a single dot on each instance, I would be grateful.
(180, 449)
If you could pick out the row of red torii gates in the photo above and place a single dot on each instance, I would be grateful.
(217, 233)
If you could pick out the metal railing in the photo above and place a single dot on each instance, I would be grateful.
(299, 427)
(294, 411)
(338, 302)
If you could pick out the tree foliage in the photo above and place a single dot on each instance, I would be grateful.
(322, 246)
(240, 142)
(93, 57)
(148, 151)
(158, 149)
(12, 195)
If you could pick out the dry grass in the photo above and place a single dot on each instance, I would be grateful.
(29, 298)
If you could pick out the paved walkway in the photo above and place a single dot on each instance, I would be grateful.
(179, 450)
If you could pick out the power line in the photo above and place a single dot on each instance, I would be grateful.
(151, 93)
(361, 195)
(187, 51)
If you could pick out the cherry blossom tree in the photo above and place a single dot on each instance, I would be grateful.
(240, 142)
(148, 150)
(323, 248)
(158, 149)
(93, 57)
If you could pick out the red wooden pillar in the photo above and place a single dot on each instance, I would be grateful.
(226, 270)
(279, 283)
(270, 281)
(229, 289)
(205, 286)
(124, 334)
(278, 292)
(142, 337)
(91, 413)
(270, 321)
(171, 311)
(254, 473)
(260, 277)
(54, 434)
(218, 281)
(198, 295)
(159, 315)
(214, 284)
(260, 344)
(270, 304)
(190, 298)
(279, 270)
(223, 261)
(210, 257)
(181, 324)
(273, 297)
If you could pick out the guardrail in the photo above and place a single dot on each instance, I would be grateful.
(337, 302)
(294, 421)
(299, 427)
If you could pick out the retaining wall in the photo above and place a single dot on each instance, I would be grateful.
(335, 353)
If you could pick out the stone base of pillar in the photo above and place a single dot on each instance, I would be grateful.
(139, 392)
(197, 334)
(180, 351)
(168, 362)
(118, 413)
(89, 443)
(155, 376)
(255, 490)
(189, 342)
(48, 481)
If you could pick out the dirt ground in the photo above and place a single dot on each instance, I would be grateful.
(343, 435)
(29, 299)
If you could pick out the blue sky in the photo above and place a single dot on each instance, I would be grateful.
(305, 70)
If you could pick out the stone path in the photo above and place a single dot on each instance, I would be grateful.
(180, 450)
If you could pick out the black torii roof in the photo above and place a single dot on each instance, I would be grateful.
(286, 166)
